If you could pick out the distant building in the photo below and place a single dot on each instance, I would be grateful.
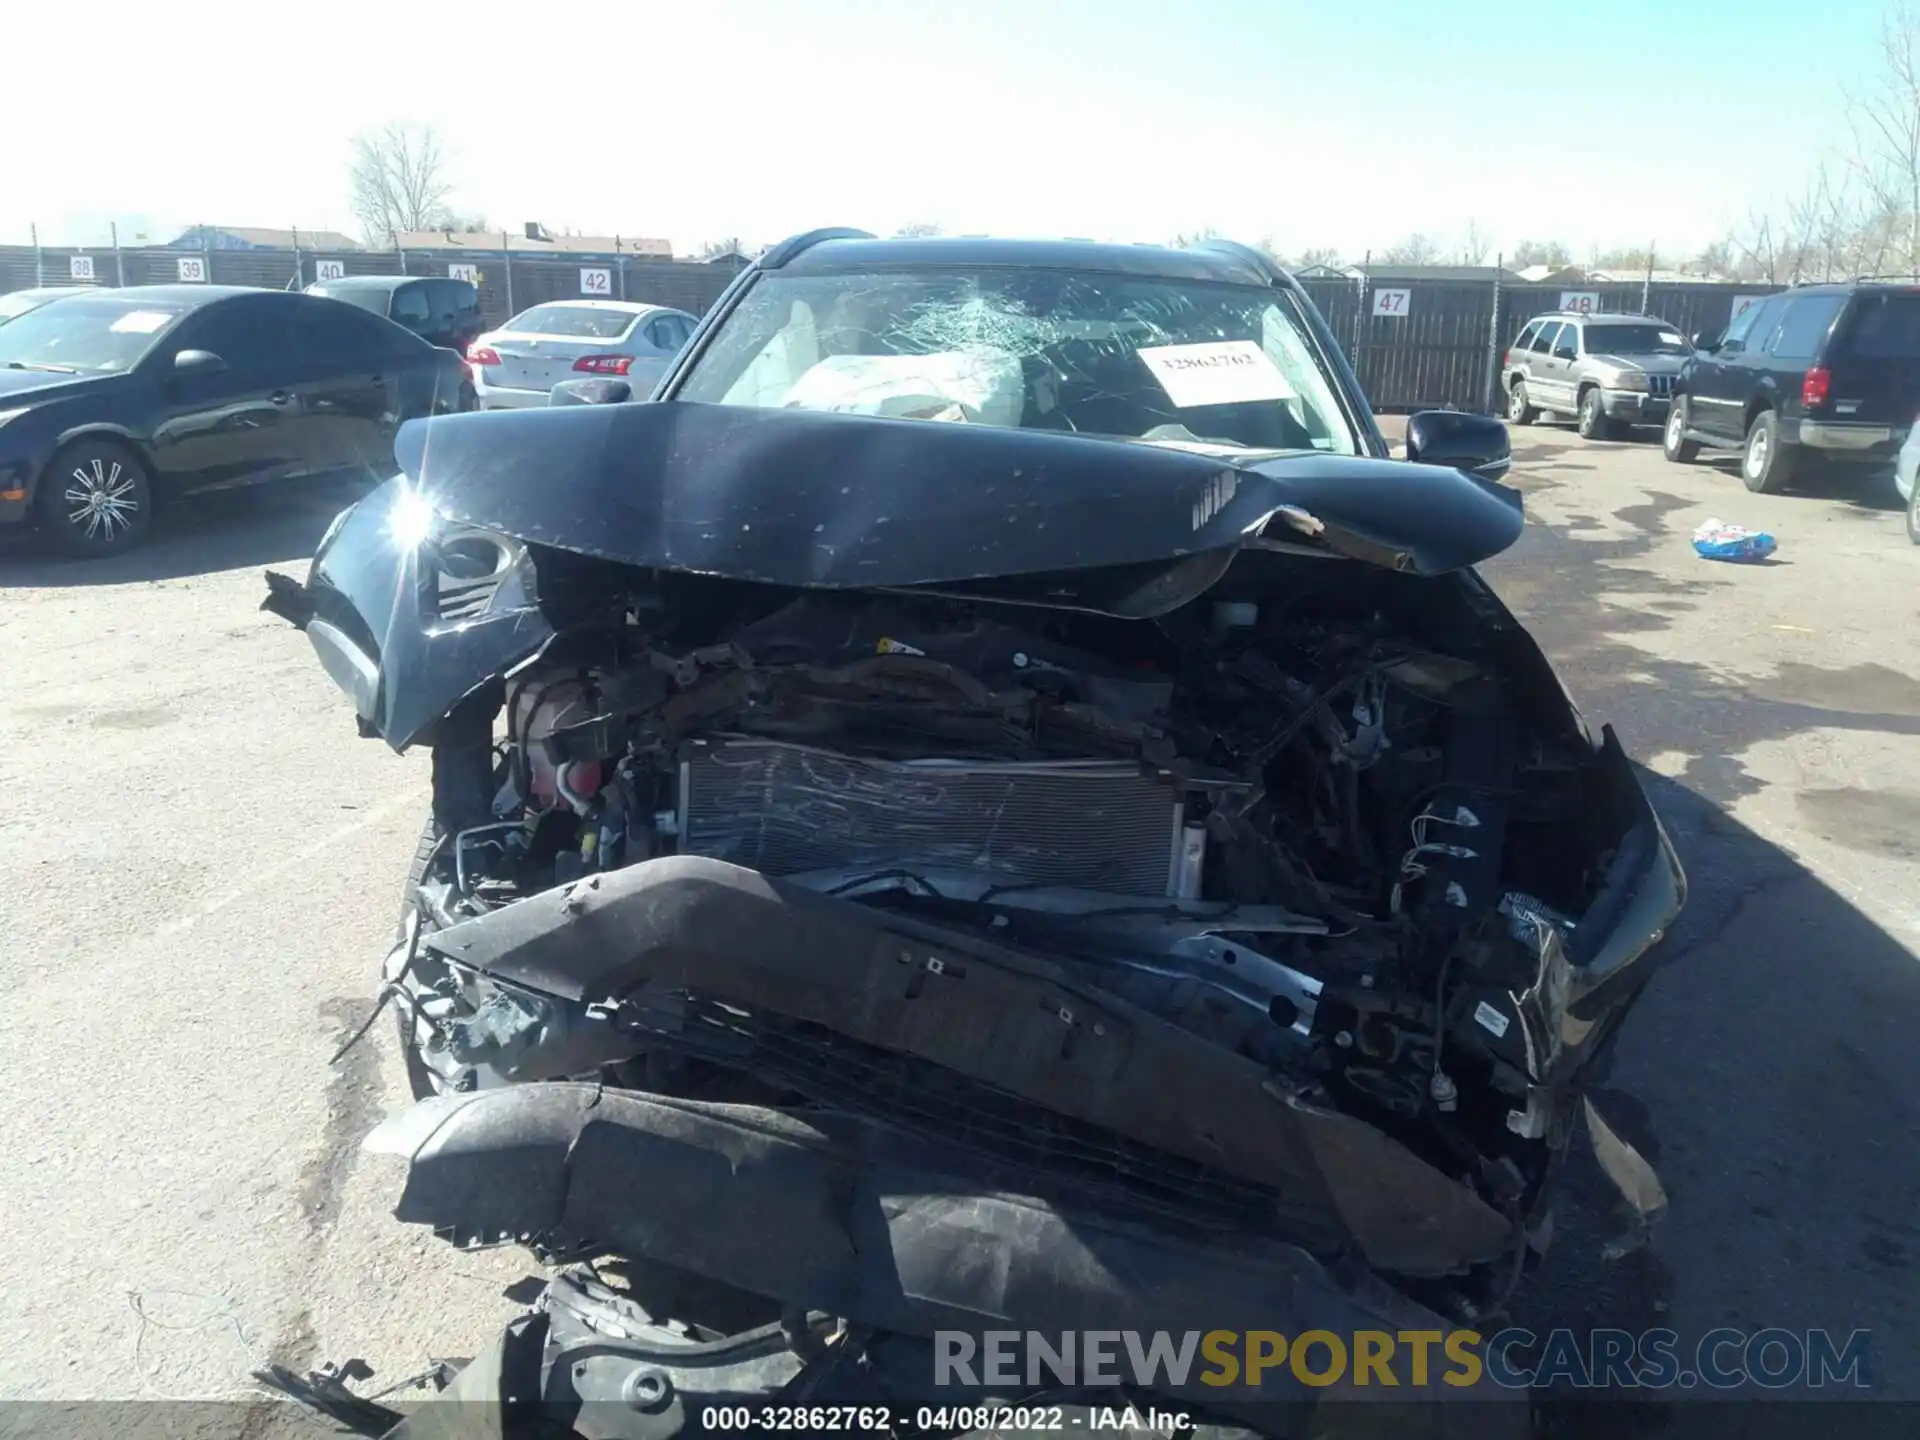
(534, 239)
(250, 237)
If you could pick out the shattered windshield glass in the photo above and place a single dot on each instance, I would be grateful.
(1166, 361)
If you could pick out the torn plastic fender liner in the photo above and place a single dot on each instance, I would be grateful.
(842, 1220)
(1001, 1017)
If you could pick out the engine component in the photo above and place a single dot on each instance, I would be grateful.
(783, 809)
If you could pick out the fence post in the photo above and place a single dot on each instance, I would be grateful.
(506, 264)
(206, 255)
(119, 261)
(39, 260)
(1646, 284)
(299, 269)
(1359, 315)
(1493, 338)
(620, 261)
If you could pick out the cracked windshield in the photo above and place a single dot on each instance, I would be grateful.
(960, 721)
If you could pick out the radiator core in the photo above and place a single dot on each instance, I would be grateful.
(783, 809)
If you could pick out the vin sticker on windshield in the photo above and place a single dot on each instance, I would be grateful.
(1490, 1019)
(1218, 372)
(140, 322)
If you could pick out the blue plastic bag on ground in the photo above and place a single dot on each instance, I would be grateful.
(1717, 540)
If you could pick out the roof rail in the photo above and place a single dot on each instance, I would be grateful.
(793, 245)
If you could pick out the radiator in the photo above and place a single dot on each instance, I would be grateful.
(783, 809)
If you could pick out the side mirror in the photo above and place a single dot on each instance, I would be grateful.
(1477, 443)
(198, 362)
(590, 392)
(1707, 340)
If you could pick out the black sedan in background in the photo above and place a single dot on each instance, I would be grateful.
(439, 311)
(114, 401)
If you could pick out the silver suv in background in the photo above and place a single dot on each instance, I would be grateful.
(1609, 372)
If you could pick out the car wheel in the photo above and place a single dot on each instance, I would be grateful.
(1592, 421)
(1519, 412)
(1673, 440)
(95, 499)
(1913, 516)
(1767, 464)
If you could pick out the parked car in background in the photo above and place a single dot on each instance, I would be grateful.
(439, 311)
(1826, 373)
(1609, 372)
(1905, 470)
(112, 402)
(16, 303)
(518, 365)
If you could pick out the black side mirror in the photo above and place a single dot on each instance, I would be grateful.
(1477, 443)
(1707, 340)
(590, 392)
(198, 362)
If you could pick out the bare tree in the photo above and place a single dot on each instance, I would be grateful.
(1416, 249)
(1318, 255)
(714, 249)
(1474, 246)
(398, 179)
(1540, 252)
(1625, 257)
(1886, 124)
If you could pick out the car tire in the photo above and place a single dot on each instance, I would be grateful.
(1673, 438)
(1519, 411)
(1913, 516)
(1591, 420)
(1766, 463)
(95, 499)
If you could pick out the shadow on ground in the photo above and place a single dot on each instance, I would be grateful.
(199, 535)
(1766, 1070)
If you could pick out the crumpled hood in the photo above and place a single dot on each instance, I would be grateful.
(790, 497)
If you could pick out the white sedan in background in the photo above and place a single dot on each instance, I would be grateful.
(516, 366)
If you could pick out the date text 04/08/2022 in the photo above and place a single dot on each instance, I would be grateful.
(878, 1419)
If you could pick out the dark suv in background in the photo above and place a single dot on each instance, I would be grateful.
(441, 312)
(1816, 373)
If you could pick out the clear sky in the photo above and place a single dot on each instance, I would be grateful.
(1343, 123)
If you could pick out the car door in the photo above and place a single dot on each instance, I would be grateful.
(236, 423)
(1724, 379)
(351, 369)
(1558, 366)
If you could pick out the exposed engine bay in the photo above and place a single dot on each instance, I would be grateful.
(1320, 819)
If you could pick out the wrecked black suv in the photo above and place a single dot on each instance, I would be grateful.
(995, 766)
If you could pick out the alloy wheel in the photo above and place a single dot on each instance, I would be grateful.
(102, 498)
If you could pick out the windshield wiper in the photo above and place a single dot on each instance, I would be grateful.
(34, 365)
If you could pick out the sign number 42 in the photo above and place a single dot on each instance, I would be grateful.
(596, 282)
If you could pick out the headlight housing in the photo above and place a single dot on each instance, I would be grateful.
(1629, 380)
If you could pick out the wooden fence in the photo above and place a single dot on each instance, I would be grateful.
(508, 283)
(1435, 344)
